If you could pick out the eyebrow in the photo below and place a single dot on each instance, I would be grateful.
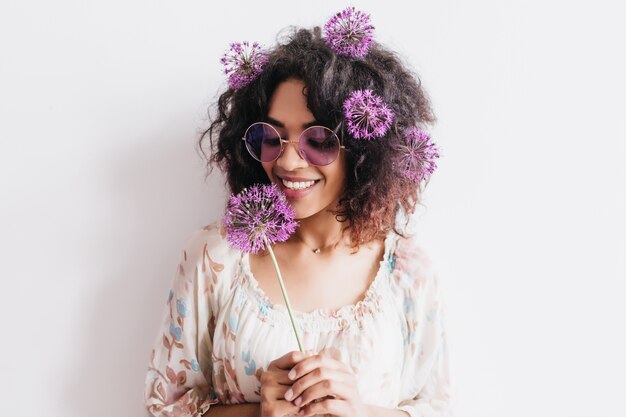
(281, 124)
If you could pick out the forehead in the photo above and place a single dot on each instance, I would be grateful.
(288, 103)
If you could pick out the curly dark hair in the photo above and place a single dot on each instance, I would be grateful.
(375, 189)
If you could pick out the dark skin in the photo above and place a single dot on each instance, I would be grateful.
(320, 384)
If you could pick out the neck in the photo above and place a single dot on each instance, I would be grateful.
(320, 230)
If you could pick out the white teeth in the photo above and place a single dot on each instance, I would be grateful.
(297, 185)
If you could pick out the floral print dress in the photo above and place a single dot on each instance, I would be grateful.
(220, 331)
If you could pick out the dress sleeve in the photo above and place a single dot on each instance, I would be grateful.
(426, 370)
(179, 378)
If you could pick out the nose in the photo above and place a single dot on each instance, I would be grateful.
(290, 159)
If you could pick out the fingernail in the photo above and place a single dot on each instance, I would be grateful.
(292, 374)
(288, 394)
(298, 400)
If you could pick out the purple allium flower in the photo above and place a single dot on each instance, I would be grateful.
(243, 62)
(349, 33)
(259, 212)
(367, 115)
(418, 155)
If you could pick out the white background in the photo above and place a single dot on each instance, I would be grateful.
(101, 104)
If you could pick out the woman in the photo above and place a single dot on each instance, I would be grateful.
(328, 126)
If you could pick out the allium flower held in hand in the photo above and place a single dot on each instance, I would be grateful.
(258, 215)
(255, 219)
(243, 62)
(349, 33)
(367, 116)
(418, 155)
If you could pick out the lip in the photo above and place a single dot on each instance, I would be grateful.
(295, 194)
(296, 179)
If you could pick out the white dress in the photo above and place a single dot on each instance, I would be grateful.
(219, 332)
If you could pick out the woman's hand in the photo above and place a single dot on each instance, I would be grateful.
(274, 384)
(324, 385)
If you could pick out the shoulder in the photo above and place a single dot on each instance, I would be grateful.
(414, 277)
(208, 241)
(412, 261)
(208, 258)
(416, 281)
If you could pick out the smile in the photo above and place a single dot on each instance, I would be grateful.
(300, 185)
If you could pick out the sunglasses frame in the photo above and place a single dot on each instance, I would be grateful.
(296, 143)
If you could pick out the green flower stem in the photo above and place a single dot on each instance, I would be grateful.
(282, 288)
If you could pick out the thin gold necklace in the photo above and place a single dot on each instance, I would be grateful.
(319, 249)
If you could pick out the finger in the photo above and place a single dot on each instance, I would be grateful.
(335, 389)
(286, 408)
(274, 394)
(279, 408)
(339, 362)
(312, 362)
(316, 376)
(329, 406)
(276, 376)
(288, 360)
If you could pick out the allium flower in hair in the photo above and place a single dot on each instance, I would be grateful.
(349, 33)
(367, 116)
(243, 62)
(256, 216)
(255, 219)
(418, 155)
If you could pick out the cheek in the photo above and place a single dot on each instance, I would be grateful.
(336, 177)
(267, 167)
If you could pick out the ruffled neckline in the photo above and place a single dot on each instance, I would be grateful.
(326, 318)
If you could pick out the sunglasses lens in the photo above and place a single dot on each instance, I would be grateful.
(319, 145)
(263, 142)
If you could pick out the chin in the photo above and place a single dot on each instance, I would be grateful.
(304, 214)
(307, 212)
